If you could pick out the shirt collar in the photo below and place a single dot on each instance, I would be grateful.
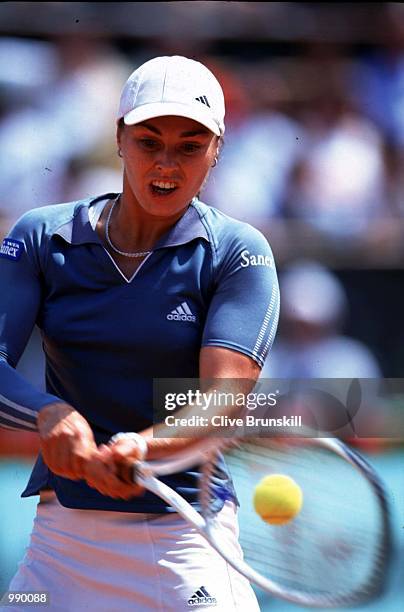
(79, 231)
(187, 228)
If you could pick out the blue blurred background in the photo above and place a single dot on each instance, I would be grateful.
(313, 156)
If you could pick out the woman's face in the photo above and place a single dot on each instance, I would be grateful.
(166, 161)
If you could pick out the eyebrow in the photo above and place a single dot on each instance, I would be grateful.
(188, 134)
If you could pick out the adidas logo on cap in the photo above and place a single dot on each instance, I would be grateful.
(182, 313)
(201, 597)
(204, 100)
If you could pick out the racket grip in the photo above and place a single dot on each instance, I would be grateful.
(125, 472)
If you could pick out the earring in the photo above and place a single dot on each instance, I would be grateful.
(119, 153)
(214, 162)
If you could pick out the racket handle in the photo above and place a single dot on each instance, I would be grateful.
(126, 473)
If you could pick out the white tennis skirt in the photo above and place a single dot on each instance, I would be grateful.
(118, 562)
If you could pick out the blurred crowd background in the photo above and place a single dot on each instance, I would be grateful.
(313, 153)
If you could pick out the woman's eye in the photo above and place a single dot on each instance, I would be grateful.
(190, 147)
(148, 143)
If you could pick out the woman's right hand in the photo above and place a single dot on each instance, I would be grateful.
(67, 441)
(69, 450)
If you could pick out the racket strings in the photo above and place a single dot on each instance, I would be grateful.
(339, 526)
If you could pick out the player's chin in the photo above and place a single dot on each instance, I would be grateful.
(166, 206)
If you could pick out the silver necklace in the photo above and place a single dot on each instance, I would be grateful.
(109, 241)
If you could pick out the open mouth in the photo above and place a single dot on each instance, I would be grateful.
(163, 188)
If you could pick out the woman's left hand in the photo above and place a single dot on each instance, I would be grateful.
(118, 459)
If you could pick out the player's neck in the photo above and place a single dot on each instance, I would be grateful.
(138, 229)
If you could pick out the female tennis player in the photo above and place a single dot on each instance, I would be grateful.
(126, 288)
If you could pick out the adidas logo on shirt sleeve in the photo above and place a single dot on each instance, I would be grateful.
(182, 313)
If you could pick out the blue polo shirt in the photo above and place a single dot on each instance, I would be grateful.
(210, 281)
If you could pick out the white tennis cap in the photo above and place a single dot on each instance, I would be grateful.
(173, 86)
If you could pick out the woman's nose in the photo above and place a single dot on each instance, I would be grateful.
(166, 160)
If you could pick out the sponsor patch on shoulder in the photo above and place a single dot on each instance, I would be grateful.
(11, 249)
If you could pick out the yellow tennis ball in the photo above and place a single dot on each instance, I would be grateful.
(277, 499)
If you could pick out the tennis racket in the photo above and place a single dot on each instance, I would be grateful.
(334, 553)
